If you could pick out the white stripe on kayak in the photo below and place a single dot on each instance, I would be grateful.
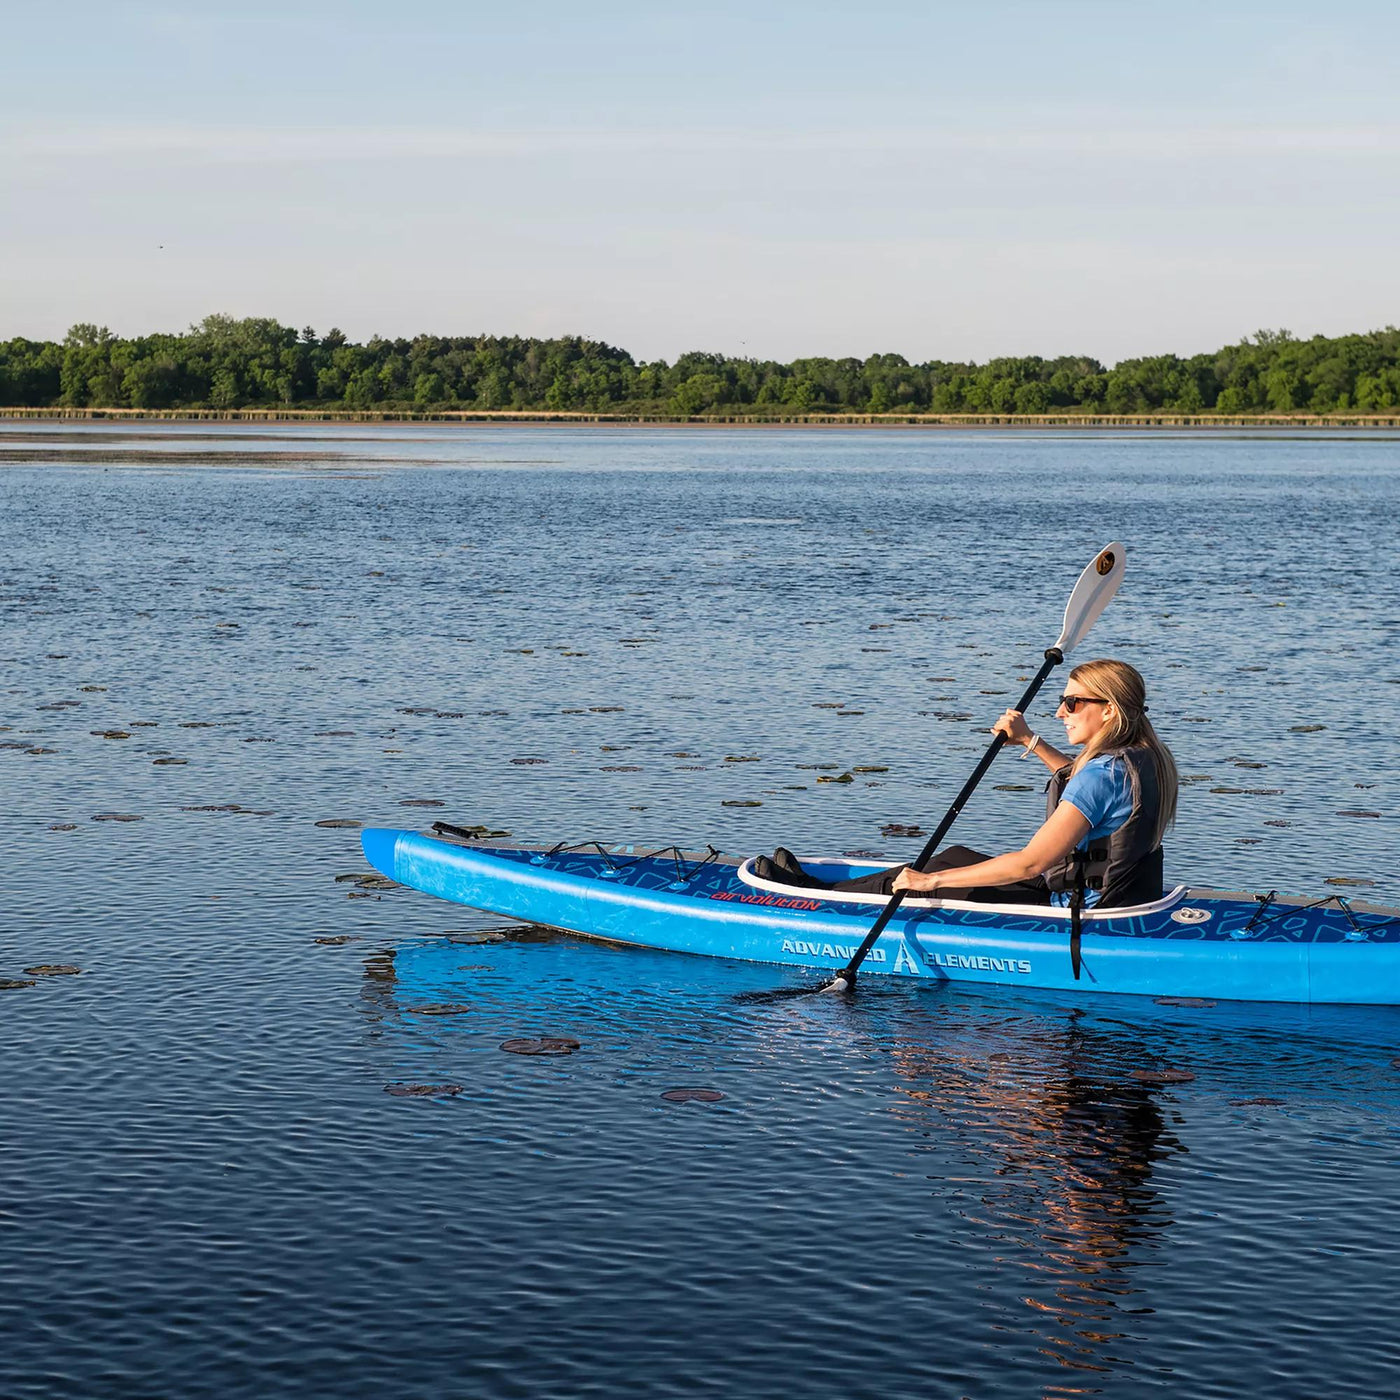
(1038, 911)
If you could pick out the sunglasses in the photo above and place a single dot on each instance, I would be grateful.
(1073, 702)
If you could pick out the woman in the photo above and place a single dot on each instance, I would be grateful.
(1106, 811)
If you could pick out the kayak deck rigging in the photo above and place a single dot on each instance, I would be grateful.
(714, 875)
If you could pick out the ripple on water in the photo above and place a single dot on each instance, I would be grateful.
(240, 1158)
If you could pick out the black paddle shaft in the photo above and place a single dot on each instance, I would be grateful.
(1053, 657)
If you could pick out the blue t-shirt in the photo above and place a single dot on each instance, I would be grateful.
(1103, 791)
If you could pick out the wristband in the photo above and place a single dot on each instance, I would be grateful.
(1031, 747)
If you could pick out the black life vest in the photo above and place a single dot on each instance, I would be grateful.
(1126, 867)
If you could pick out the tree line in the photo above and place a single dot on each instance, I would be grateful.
(229, 363)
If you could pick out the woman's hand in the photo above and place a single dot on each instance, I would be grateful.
(1014, 726)
(910, 879)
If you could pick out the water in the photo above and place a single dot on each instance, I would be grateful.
(206, 1189)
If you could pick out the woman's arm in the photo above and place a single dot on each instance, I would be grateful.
(1013, 725)
(1066, 827)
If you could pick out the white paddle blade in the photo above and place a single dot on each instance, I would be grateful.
(1092, 594)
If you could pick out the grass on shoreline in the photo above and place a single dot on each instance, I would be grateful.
(528, 417)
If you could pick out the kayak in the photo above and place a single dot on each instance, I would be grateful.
(1193, 942)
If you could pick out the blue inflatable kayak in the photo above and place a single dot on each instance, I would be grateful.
(1190, 943)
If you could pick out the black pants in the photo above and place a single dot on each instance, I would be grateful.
(1033, 891)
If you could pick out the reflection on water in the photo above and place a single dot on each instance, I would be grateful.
(1060, 1165)
(380, 983)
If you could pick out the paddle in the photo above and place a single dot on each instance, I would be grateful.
(1092, 594)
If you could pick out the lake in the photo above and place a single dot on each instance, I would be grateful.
(219, 1178)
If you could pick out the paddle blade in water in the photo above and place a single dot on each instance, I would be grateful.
(1092, 594)
(843, 983)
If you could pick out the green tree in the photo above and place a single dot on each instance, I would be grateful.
(1033, 398)
(697, 393)
(152, 383)
(428, 389)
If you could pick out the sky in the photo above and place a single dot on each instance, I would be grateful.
(945, 181)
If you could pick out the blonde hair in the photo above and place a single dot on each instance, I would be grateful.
(1129, 728)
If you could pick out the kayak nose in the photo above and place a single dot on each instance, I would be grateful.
(379, 844)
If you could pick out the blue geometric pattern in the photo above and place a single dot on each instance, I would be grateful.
(1233, 919)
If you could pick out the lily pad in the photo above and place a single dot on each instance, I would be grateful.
(53, 970)
(421, 802)
(686, 1095)
(1163, 1076)
(423, 1091)
(116, 817)
(836, 778)
(541, 1045)
(14, 984)
(740, 802)
(1184, 1001)
(1306, 728)
(347, 823)
(439, 1008)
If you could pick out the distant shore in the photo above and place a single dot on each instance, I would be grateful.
(529, 418)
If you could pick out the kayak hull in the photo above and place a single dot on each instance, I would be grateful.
(1193, 943)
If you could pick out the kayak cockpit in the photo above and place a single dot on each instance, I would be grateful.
(846, 868)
